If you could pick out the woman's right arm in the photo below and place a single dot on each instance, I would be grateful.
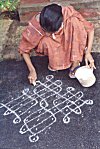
(30, 39)
(32, 72)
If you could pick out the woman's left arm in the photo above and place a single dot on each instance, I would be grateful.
(88, 57)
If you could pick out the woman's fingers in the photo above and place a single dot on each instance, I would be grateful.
(92, 65)
(32, 80)
(89, 61)
(32, 77)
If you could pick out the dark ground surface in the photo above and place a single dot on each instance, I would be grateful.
(82, 132)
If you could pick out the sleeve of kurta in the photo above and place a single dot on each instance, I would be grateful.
(87, 25)
(76, 30)
(31, 37)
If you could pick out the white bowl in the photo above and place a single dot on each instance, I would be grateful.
(85, 76)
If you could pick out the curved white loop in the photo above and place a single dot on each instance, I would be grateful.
(79, 94)
(49, 77)
(38, 82)
(17, 120)
(69, 89)
(78, 111)
(89, 102)
(23, 129)
(66, 119)
(43, 104)
(58, 82)
(25, 91)
(33, 138)
(7, 112)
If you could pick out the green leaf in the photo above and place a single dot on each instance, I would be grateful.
(9, 4)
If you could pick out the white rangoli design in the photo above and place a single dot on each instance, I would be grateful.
(37, 109)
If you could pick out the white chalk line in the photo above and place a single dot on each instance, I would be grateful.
(54, 89)
(53, 114)
(30, 97)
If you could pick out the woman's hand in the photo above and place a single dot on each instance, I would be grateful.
(89, 60)
(32, 77)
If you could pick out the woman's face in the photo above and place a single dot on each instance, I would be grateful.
(50, 33)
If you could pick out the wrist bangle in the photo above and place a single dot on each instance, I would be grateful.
(86, 51)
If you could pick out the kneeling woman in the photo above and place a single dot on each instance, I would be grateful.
(62, 34)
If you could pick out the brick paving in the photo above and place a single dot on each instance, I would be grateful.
(90, 9)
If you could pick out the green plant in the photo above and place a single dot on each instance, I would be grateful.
(8, 5)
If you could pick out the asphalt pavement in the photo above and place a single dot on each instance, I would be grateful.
(57, 113)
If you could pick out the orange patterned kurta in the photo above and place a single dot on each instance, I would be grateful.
(67, 46)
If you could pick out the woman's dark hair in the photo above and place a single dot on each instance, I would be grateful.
(51, 18)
